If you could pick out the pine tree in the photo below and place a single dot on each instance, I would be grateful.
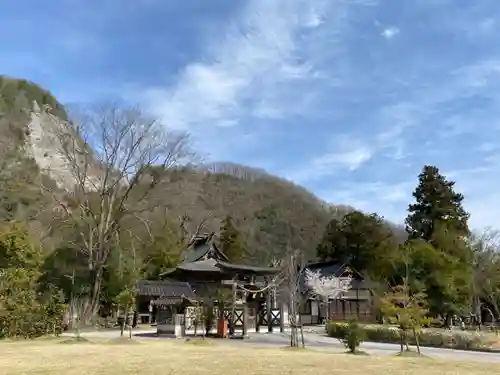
(439, 222)
(437, 206)
(231, 243)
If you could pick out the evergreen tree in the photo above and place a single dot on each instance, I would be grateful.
(436, 204)
(442, 258)
(231, 243)
(26, 310)
(363, 241)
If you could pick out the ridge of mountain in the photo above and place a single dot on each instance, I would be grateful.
(273, 214)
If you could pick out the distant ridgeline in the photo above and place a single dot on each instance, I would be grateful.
(18, 94)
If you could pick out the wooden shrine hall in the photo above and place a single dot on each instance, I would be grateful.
(206, 283)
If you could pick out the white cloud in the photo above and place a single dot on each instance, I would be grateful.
(263, 67)
(350, 159)
(256, 54)
(390, 32)
(345, 153)
(371, 196)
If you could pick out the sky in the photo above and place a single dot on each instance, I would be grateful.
(349, 98)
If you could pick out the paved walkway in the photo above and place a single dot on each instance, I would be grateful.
(316, 342)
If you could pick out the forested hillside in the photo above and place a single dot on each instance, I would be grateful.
(90, 206)
(272, 214)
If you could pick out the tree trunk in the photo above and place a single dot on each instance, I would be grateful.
(124, 322)
(415, 333)
(92, 305)
(402, 340)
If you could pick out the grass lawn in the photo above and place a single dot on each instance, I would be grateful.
(44, 357)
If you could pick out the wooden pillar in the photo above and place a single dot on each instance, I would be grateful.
(282, 317)
(233, 308)
(357, 303)
(268, 311)
(245, 315)
(257, 314)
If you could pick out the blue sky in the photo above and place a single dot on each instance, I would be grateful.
(349, 98)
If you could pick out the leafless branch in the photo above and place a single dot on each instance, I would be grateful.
(110, 154)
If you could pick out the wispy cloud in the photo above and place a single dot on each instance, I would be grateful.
(265, 66)
(349, 97)
(256, 53)
(390, 32)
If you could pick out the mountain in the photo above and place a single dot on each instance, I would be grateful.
(272, 214)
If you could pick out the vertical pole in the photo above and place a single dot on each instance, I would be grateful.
(245, 315)
(233, 308)
(258, 313)
(268, 311)
(282, 317)
(357, 304)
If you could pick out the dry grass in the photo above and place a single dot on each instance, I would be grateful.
(171, 357)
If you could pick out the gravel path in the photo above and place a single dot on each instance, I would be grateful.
(315, 341)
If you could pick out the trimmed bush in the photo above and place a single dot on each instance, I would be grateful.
(430, 338)
(353, 336)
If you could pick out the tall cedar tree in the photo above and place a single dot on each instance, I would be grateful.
(231, 241)
(363, 241)
(443, 259)
(436, 204)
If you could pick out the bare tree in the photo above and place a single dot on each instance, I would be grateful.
(293, 268)
(111, 157)
(486, 285)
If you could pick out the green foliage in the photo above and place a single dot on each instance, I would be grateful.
(405, 309)
(126, 298)
(441, 259)
(164, 250)
(15, 93)
(363, 241)
(25, 310)
(53, 303)
(436, 203)
(353, 336)
(17, 250)
(231, 243)
(427, 337)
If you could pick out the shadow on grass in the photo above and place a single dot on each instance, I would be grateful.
(122, 341)
(357, 352)
(76, 340)
(295, 348)
(198, 342)
(410, 354)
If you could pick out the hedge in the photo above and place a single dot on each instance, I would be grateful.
(430, 338)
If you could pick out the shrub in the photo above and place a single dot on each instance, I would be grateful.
(427, 337)
(24, 310)
(353, 336)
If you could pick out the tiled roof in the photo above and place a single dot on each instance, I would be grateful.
(331, 268)
(164, 288)
(203, 247)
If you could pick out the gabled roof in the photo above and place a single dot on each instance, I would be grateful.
(337, 269)
(204, 259)
(165, 288)
(201, 248)
(333, 268)
(249, 269)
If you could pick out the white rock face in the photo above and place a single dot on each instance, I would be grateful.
(45, 146)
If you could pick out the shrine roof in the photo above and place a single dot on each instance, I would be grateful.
(164, 288)
(203, 247)
(248, 268)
